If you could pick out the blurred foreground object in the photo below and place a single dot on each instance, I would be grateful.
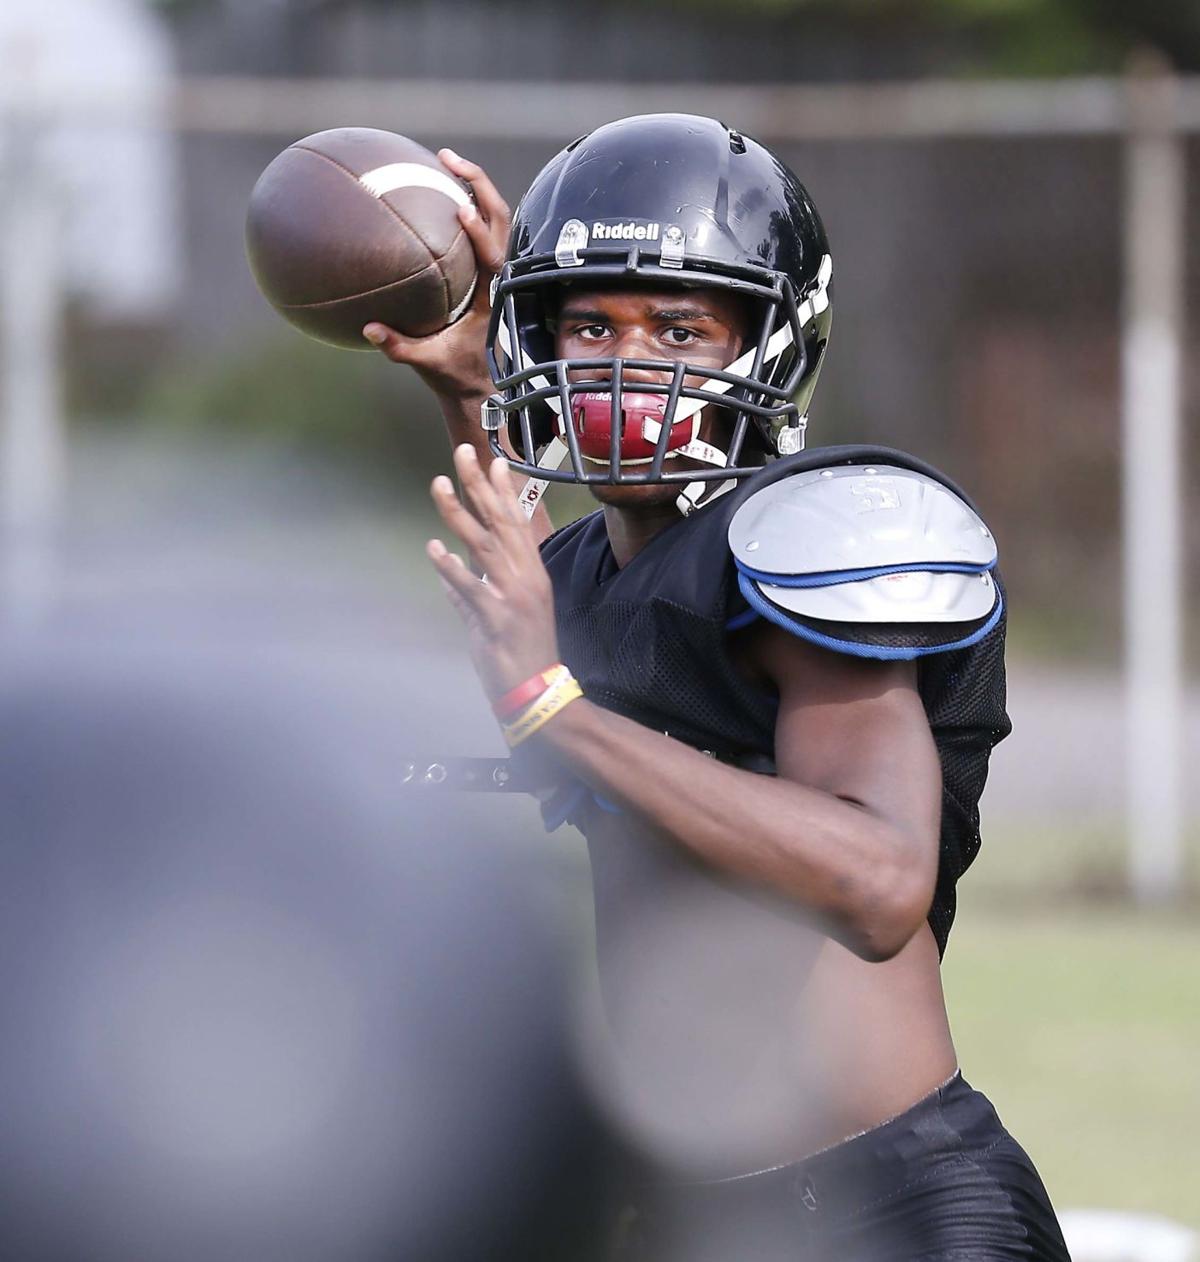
(255, 1005)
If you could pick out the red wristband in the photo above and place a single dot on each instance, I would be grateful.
(516, 699)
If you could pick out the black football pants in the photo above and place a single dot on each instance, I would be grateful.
(942, 1181)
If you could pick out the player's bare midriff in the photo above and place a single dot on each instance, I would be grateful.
(741, 1036)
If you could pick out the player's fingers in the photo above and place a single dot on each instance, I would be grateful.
(475, 486)
(486, 553)
(512, 524)
(462, 588)
(438, 553)
(494, 214)
(398, 348)
(494, 499)
(489, 250)
(490, 553)
(491, 205)
(493, 507)
(500, 474)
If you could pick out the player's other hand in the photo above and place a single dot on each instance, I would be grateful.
(453, 361)
(510, 617)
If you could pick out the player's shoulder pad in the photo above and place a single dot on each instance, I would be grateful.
(876, 559)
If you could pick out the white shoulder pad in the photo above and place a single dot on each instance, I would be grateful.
(872, 560)
(910, 596)
(853, 518)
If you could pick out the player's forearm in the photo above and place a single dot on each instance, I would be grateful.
(863, 876)
(462, 415)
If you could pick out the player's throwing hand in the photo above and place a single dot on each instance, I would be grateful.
(453, 360)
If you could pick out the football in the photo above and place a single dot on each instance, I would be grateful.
(354, 225)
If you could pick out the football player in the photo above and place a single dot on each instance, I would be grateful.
(763, 681)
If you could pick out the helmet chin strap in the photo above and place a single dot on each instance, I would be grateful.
(531, 493)
(689, 498)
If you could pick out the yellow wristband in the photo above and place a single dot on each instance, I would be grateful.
(560, 693)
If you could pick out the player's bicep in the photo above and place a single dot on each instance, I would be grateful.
(855, 729)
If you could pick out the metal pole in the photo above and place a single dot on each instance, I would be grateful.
(1151, 407)
(31, 440)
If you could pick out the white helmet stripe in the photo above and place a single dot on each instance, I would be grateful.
(538, 382)
(818, 300)
(778, 342)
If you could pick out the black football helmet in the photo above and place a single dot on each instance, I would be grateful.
(668, 200)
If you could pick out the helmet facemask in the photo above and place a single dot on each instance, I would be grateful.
(551, 418)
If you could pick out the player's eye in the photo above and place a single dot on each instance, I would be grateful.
(677, 335)
(592, 332)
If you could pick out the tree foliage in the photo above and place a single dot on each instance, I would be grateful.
(998, 36)
(1013, 36)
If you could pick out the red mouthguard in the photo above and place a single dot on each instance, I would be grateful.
(592, 415)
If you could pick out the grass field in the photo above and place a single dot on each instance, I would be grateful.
(1082, 1023)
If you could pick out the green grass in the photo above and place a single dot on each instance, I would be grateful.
(1083, 1026)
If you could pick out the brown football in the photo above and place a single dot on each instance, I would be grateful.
(354, 225)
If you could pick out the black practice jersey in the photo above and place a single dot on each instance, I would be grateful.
(650, 641)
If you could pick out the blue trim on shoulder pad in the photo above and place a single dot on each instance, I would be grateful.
(880, 652)
(833, 578)
(743, 619)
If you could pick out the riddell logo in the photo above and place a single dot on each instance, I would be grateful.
(630, 231)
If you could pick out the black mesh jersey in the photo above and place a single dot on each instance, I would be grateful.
(649, 641)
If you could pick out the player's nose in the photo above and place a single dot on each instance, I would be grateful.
(637, 343)
(634, 376)
(635, 351)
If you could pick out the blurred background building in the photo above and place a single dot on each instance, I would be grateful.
(167, 437)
